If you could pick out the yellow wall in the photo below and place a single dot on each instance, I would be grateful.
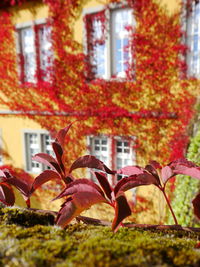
(12, 127)
(29, 13)
(172, 5)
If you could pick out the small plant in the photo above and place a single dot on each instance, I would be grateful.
(157, 175)
(80, 194)
(6, 192)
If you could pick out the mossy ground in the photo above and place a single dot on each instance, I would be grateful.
(25, 245)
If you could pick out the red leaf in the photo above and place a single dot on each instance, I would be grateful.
(76, 204)
(134, 181)
(48, 160)
(2, 174)
(6, 194)
(68, 179)
(180, 166)
(130, 170)
(152, 170)
(60, 137)
(155, 164)
(166, 174)
(90, 162)
(190, 171)
(44, 177)
(122, 210)
(3, 179)
(196, 205)
(5, 173)
(80, 185)
(59, 154)
(23, 187)
(104, 184)
(181, 161)
(28, 203)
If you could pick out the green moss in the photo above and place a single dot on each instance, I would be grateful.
(24, 217)
(86, 245)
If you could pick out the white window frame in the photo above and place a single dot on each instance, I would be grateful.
(109, 57)
(130, 157)
(50, 59)
(20, 49)
(112, 161)
(113, 37)
(191, 23)
(20, 27)
(41, 148)
(107, 154)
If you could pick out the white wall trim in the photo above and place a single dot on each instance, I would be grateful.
(30, 23)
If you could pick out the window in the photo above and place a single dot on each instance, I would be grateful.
(115, 152)
(120, 19)
(36, 143)
(34, 53)
(100, 148)
(193, 39)
(124, 155)
(108, 40)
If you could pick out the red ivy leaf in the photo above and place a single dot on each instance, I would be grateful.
(196, 205)
(104, 184)
(90, 162)
(60, 137)
(182, 161)
(166, 174)
(122, 210)
(68, 179)
(80, 185)
(6, 194)
(76, 204)
(48, 160)
(134, 181)
(190, 171)
(44, 177)
(130, 170)
(5, 173)
(59, 154)
(155, 164)
(2, 174)
(23, 187)
(152, 170)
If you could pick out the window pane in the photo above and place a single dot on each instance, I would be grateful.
(46, 147)
(46, 55)
(28, 54)
(99, 148)
(96, 43)
(123, 155)
(37, 143)
(121, 18)
(194, 39)
(32, 148)
(46, 144)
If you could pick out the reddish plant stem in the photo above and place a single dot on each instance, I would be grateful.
(169, 205)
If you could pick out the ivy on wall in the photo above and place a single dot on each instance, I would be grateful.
(156, 106)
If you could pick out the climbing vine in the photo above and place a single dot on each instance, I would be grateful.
(155, 106)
